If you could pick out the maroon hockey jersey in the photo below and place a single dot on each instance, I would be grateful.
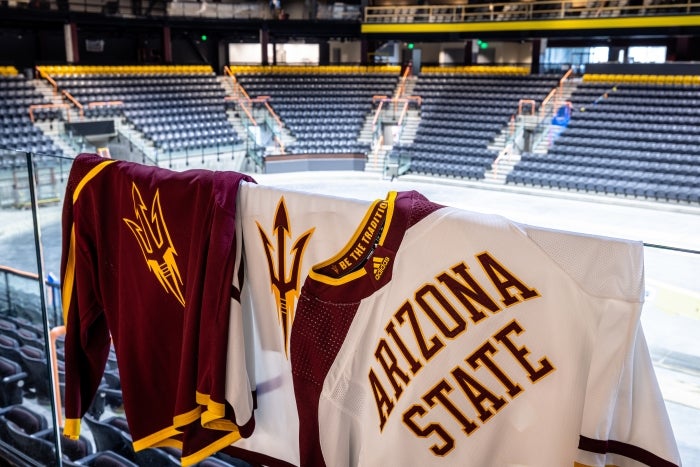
(148, 262)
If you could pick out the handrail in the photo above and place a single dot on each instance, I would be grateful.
(18, 272)
(104, 103)
(404, 78)
(75, 102)
(280, 144)
(378, 112)
(404, 111)
(406, 101)
(54, 334)
(555, 95)
(247, 112)
(504, 154)
(378, 147)
(566, 76)
(238, 88)
(48, 78)
(47, 106)
(546, 100)
(278, 121)
(272, 112)
(511, 127)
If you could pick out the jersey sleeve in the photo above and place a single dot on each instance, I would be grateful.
(624, 421)
(240, 353)
(87, 337)
(221, 321)
(638, 430)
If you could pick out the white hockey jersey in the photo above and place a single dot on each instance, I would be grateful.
(437, 336)
(284, 233)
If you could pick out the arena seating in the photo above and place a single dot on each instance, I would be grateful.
(17, 131)
(178, 108)
(637, 139)
(463, 110)
(25, 422)
(27, 430)
(323, 107)
(11, 381)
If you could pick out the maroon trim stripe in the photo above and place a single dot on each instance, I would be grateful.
(628, 450)
(255, 458)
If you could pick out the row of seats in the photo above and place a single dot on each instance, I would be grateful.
(625, 93)
(461, 114)
(624, 154)
(342, 71)
(610, 173)
(107, 93)
(673, 146)
(328, 147)
(17, 130)
(612, 162)
(656, 190)
(642, 127)
(323, 111)
(676, 80)
(627, 140)
(635, 118)
(82, 71)
(297, 112)
(446, 169)
(158, 105)
(650, 135)
(172, 81)
(26, 429)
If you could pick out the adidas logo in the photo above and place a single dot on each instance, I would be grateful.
(379, 265)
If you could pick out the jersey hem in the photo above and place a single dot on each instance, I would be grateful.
(155, 438)
(71, 429)
(213, 448)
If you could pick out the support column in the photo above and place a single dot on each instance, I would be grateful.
(471, 52)
(678, 49)
(538, 47)
(364, 51)
(70, 39)
(264, 40)
(324, 53)
(167, 45)
(614, 53)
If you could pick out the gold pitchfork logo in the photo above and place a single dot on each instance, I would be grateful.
(284, 283)
(151, 232)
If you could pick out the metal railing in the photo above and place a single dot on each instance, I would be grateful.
(246, 103)
(523, 10)
(192, 9)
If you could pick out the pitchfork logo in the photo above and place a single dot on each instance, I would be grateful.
(151, 232)
(284, 280)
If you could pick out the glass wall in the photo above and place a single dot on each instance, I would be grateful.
(31, 320)
(31, 338)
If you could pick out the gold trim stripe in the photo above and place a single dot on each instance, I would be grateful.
(71, 428)
(156, 438)
(213, 448)
(69, 278)
(90, 175)
(535, 25)
(67, 288)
